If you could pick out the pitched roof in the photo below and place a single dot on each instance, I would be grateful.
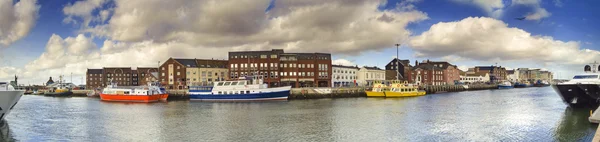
(403, 62)
(427, 67)
(441, 64)
(187, 62)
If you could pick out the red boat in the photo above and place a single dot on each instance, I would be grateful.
(150, 93)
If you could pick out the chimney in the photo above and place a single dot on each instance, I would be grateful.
(416, 63)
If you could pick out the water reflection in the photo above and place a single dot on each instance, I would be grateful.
(5, 133)
(575, 126)
(530, 114)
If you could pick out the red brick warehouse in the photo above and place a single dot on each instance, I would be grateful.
(281, 69)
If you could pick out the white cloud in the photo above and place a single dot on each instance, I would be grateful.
(494, 8)
(16, 20)
(558, 3)
(463, 68)
(141, 32)
(321, 26)
(83, 9)
(343, 62)
(537, 13)
(488, 39)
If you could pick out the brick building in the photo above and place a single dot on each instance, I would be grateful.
(497, 73)
(435, 73)
(398, 66)
(123, 76)
(282, 69)
(173, 73)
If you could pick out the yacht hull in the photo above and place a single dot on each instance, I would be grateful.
(278, 95)
(579, 95)
(8, 99)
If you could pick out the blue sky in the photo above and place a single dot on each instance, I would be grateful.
(569, 21)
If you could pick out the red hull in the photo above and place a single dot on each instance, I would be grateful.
(164, 97)
(130, 98)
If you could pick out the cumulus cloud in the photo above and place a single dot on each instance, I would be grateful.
(141, 32)
(16, 20)
(340, 26)
(83, 9)
(488, 39)
(493, 8)
(537, 13)
(64, 56)
(343, 62)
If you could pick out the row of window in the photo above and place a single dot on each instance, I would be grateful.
(272, 65)
(343, 77)
(273, 56)
(344, 71)
(471, 78)
(209, 73)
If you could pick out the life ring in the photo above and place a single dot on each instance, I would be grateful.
(379, 86)
(398, 85)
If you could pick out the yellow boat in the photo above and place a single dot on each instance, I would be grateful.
(398, 89)
(377, 91)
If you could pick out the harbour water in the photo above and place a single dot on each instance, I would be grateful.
(523, 114)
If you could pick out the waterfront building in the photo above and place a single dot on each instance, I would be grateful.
(282, 69)
(124, 76)
(173, 73)
(471, 77)
(205, 72)
(395, 67)
(344, 76)
(367, 75)
(435, 73)
(497, 73)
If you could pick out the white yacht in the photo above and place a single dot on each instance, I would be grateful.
(8, 98)
(583, 90)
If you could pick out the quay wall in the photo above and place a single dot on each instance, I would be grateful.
(318, 93)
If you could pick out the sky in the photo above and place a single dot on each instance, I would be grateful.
(42, 39)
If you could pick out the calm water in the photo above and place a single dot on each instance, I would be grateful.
(528, 114)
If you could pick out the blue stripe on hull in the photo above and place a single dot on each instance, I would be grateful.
(504, 87)
(259, 96)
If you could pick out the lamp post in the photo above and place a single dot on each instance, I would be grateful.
(397, 62)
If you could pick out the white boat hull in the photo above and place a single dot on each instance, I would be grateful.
(8, 99)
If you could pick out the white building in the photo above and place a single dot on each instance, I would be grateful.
(343, 76)
(366, 75)
(469, 78)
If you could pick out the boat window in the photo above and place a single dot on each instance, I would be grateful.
(585, 77)
(227, 83)
(247, 92)
(219, 92)
(220, 84)
(241, 92)
(234, 83)
(242, 83)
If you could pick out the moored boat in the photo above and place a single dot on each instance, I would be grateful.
(583, 90)
(522, 84)
(150, 93)
(8, 98)
(541, 83)
(244, 89)
(505, 85)
(59, 89)
(377, 90)
(399, 89)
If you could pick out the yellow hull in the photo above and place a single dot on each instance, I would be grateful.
(375, 94)
(403, 94)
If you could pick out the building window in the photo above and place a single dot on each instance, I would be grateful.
(209, 74)
(163, 74)
(273, 56)
(263, 56)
